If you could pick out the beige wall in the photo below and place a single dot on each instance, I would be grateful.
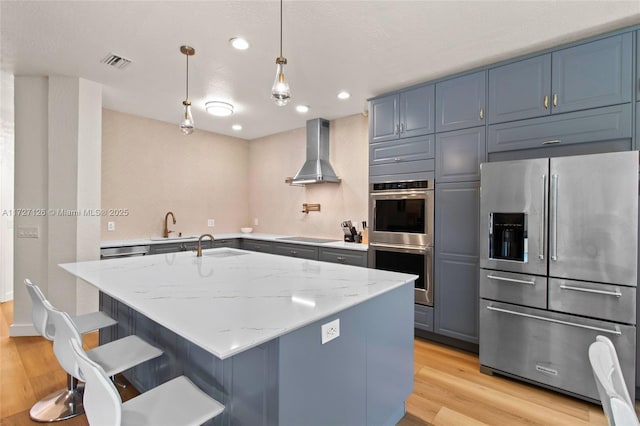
(150, 168)
(277, 206)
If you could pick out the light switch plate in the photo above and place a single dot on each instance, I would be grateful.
(211, 223)
(330, 330)
(111, 226)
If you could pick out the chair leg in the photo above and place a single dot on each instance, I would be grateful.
(60, 405)
(118, 383)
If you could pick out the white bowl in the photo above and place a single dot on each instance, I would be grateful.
(246, 230)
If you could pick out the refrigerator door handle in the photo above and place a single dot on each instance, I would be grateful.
(510, 280)
(591, 290)
(573, 324)
(553, 225)
(543, 224)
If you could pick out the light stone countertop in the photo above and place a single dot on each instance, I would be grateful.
(250, 236)
(230, 300)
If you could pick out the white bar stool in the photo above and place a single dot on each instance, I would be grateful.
(64, 403)
(176, 402)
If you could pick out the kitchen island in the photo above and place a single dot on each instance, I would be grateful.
(247, 328)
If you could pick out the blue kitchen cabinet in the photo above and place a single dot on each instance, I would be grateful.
(459, 154)
(520, 90)
(423, 317)
(637, 79)
(589, 75)
(405, 114)
(460, 102)
(457, 261)
(404, 159)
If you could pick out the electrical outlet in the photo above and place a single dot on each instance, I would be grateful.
(111, 226)
(211, 223)
(28, 232)
(330, 330)
(255, 221)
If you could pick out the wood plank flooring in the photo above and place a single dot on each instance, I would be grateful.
(448, 388)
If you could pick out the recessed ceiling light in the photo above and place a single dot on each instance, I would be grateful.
(236, 127)
(219, 109)
(302, 108)
(344, 95)
(239, 43)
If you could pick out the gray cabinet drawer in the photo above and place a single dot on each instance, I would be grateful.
(528, 290)
(295, 250)
(423, 317)
(409, 149)
(261, 246)
(166, 248)
(233, 243)
(603, 301)
(593, 125)
(347, 257)
(402, 170)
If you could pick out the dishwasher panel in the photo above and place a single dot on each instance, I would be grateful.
(550, 348)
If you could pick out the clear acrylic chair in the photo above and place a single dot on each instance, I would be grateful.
(176, 402)
(614, 395)
(64, 403)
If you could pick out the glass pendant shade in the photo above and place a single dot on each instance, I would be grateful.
(186, 125)
(280, 92)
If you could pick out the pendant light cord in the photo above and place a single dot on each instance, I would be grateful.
(187, 78)
(280, 28)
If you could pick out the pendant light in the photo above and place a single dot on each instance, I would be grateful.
(186, 125)
(280, 92)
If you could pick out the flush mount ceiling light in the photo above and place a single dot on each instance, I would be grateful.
(239, 43)
(186, 125)
(344, 95)
(280, 91)
(219, 109)
(236, 127)
(302, 109)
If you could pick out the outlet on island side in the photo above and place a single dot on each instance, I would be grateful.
(330, 330)
(111, 226)
(211, 223)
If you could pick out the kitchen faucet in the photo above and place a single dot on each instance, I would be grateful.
(199, 248)
(166, 231)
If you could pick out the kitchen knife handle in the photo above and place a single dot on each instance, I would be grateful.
(543, 224)
(553, 226)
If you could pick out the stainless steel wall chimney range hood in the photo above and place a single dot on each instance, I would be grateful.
(317, 168)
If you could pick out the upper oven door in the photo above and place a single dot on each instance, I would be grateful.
(402, 217)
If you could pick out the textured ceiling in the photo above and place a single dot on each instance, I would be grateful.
(365, 47)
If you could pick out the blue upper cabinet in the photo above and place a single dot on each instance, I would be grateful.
(520, 90)
(592, 75)
(460, 102)
(638, 89)
(587, 76)
(402, 115)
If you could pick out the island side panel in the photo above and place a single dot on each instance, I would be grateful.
(245, 383)
(364, 375)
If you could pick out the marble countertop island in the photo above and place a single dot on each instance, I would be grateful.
(229, 300)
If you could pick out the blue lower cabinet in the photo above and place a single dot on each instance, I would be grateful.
(423, 317)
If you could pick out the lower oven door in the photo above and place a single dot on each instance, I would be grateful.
(550, 348)
(408, 259)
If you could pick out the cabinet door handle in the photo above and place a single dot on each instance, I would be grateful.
(555, 99)
(481, 113)
(293, 252)
(551, 142)
(340, 259)
(397, 130)
(401, 128)
(545, 102)
(573, 324)
(396, 159)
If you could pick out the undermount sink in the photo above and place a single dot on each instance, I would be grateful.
(308, 239)
(223, 253)
(171, 238)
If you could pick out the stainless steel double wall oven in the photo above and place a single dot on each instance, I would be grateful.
(401, 231)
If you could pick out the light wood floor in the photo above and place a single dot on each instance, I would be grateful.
(448, 388)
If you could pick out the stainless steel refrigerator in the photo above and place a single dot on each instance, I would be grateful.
(558, 261)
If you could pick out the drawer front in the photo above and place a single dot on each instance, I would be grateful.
(528, 290)
(410, 149)
(293, 250)
(233, 243)
(423, 317)
(550, 348)
(403, 170)
(343, 256)
(603, 301)
(260, 246)
(593, 125)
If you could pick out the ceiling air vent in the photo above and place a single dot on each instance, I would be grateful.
(116, 61)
